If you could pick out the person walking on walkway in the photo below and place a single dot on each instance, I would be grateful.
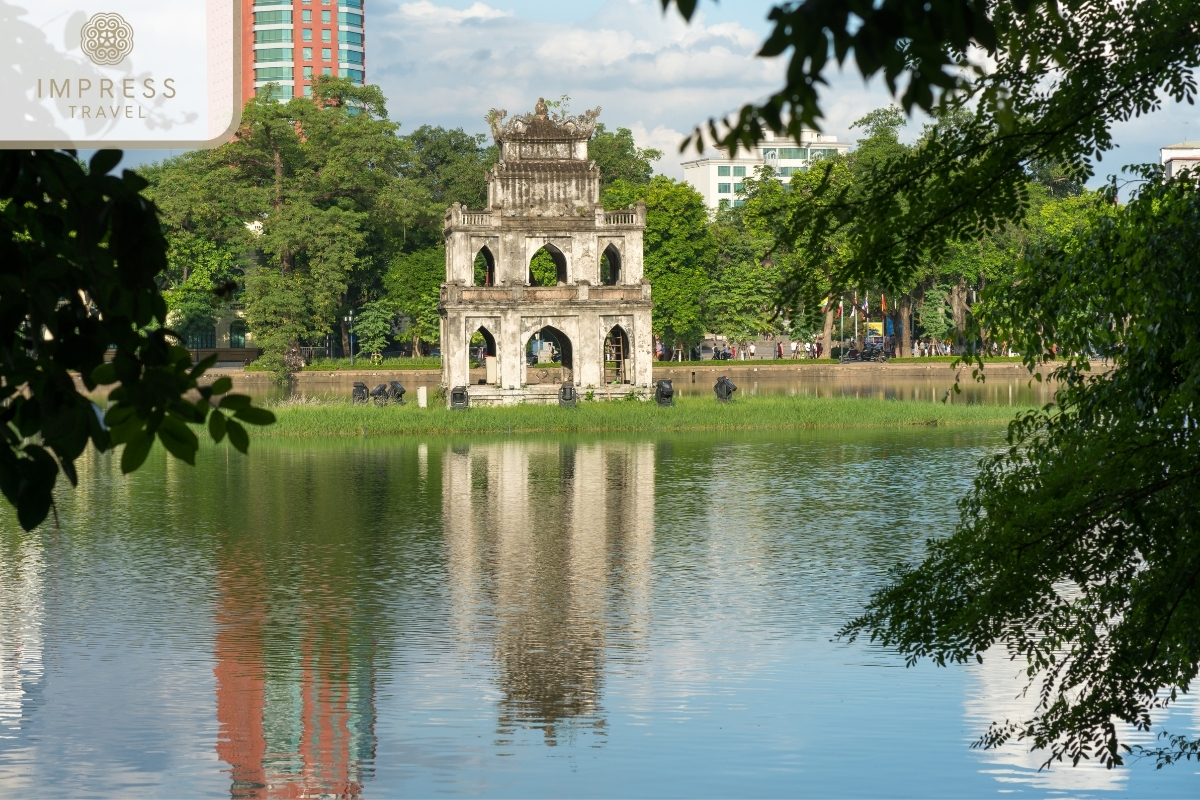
(752, 351)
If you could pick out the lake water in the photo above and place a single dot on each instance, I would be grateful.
(502, 617)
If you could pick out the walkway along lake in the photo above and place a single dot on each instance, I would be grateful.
(515, 616)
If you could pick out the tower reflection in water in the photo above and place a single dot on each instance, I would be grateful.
(295, 686)
(548, 558)
(22, 610)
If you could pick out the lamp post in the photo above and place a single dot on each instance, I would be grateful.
(349, 320)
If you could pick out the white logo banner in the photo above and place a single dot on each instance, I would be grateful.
(119, 73)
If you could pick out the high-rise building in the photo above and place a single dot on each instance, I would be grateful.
(291, 42)
(720, 178)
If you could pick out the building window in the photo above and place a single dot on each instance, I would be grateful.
(739, 203)
(306, 35)
(275, 35)
(350, 3)
(326, 70)
(202, 339)
(722, 188)
(350, 37)
(308, 91)
(722, 172)
(722, 203)
(273, 74)
(739, 172)
(828, 153)
(355, 75)
(237, 334)
(345, 18)
(273, 18)
(350, 56)
(307, 53)
(274, 54)
(306, 15)
(325, 15)
(738, 188)
(307, 72)
(325, 36)
(794, 153)
(326, 54)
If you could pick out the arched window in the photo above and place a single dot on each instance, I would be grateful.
(548, 267)
(610, 266)
(485, 268)
(237, 334)
(483, 344)
(550, 345)
(616, 356)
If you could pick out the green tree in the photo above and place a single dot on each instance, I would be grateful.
(292, 188)
(619, 158)
(413, 282)
(198, 272)
(678, 252)
(81, 252)
(1079, 547)
(373, 326)
(1014, 85)
(452, 165)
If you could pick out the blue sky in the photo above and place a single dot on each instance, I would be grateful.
(446, 62)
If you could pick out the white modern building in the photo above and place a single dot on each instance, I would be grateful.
(721, 178)
(1177, 157)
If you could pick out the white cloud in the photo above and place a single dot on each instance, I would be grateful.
(652, 73)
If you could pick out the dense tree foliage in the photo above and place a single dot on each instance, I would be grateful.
(619, 158)
(80, 258)
(1077, 549)
(678, 252)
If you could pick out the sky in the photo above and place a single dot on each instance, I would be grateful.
(447, 62)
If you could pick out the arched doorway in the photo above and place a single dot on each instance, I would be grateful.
(548, 267)
(485, 268)
(616, 356)
(551, 346)
(610, 266)
(482, 347)
(237, 334)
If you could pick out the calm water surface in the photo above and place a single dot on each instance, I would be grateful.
(509, 617)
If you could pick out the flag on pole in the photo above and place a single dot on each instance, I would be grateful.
(866, 297)
(839, 314)
(883, 303)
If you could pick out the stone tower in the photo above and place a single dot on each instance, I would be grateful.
(588, 323)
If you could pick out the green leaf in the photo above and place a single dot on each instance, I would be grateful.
(222, 385)
(235, 402)
(255, 416)
(178, 439)
(237, 436)
(104, 374)
(137, 448)
(216, 425)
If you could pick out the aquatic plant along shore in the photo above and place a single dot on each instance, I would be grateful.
(338, 417)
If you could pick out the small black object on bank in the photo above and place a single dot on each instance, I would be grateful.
(664, 393)
(567, 396)
(359, 393)
(396, 392)
(459, 397)
(380, 394)
(724, 389)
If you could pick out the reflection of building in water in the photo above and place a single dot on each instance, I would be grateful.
(22, 610)
(998, 697)
(294, 703)
(553, 542)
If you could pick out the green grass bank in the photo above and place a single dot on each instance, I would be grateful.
(751, 413)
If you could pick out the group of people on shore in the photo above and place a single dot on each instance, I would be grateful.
(923, 348)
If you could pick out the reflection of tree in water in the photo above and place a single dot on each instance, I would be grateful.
(547, 532)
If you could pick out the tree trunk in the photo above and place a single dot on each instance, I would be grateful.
(904, 309)
(345, 339)
(958, 309)
(825, 339)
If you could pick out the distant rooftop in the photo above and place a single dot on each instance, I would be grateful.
(1183, 146)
